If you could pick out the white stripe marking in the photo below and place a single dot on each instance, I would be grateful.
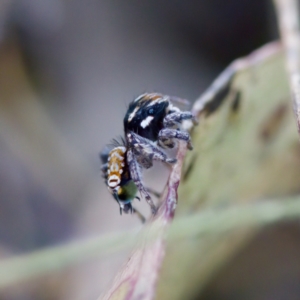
(116, 154)
(147, 121)
(123, 149)
(133, 114)
(113, 181)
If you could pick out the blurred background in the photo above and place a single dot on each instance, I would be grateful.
(68, 70)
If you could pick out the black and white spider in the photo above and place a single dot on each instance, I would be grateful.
(152, 123)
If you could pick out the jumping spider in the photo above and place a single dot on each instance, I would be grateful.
(152, 123)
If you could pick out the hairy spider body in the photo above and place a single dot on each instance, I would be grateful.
(150, 114)
(152, 123)
(145, 116)
(118, 179)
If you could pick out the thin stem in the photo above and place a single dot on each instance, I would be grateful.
(288, 19)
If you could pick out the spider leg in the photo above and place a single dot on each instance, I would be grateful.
(175, 118)
(134, 169)
(141, 217)
(153, 192)
(167, 135)
(146, 151)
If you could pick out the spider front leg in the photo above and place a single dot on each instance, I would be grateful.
(174, 119)
(134, 169)
(167, 135)
(146, 151)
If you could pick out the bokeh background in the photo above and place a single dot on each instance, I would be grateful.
(68, 70)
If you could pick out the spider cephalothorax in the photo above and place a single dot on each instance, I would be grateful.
(151, 123)
(117, 177)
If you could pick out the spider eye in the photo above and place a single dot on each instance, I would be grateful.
(151, 111)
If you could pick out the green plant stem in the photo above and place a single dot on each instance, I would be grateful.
(212, 221)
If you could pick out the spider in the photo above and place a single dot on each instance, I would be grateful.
(118, 179)
(152, 123)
